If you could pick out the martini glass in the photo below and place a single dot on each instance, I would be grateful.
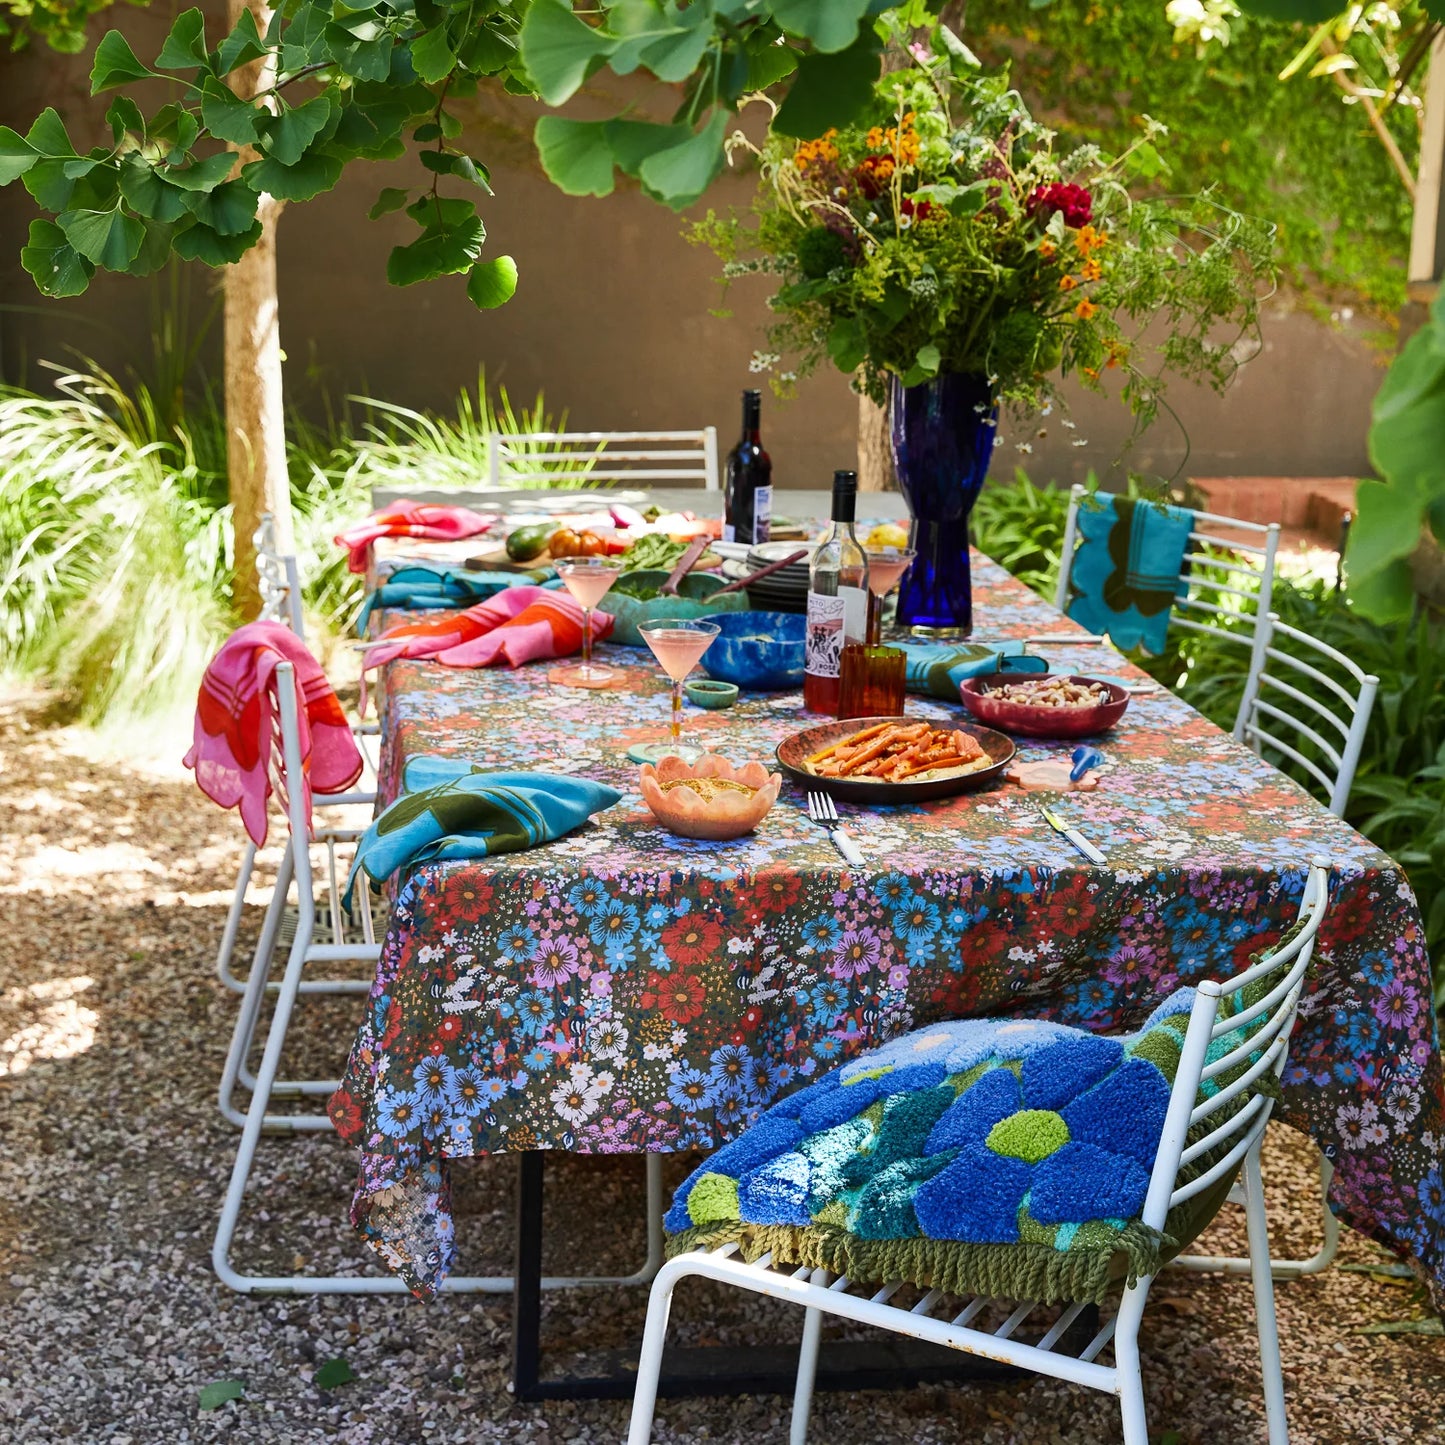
(677, 643)
(588, 579)
(885, 570)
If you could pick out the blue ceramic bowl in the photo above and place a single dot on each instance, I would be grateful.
(759, 651)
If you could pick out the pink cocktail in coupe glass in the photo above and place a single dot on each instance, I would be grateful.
(677, 643)
(588, 579)
(885, 570)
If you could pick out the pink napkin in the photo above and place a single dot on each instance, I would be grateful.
(411, 519)
(237, 732)
(520, 624)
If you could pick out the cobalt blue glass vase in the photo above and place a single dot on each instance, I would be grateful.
(942, 433)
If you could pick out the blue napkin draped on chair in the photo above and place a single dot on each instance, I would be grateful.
(1128, 569)
(454, 809)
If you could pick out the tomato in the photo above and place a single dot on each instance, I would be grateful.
(565, 543)
(589, 544)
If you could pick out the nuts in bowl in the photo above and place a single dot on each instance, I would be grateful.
(1051, 706)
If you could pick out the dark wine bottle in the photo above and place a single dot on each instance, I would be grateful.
(748, 494)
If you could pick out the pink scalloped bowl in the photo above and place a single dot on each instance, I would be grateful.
(719, 819)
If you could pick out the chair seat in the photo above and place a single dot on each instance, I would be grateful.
(982, 1157)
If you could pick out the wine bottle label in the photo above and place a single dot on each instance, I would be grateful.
(762, 514)
(855, 613)
(823, 652)
(729, 532)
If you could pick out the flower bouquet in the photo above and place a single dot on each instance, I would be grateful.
(951, 258)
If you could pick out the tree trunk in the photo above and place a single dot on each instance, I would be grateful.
(255, 413)
(875, 455)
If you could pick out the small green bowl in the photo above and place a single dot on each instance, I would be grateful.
(709, 694)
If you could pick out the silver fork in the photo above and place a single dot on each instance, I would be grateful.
(821, 809)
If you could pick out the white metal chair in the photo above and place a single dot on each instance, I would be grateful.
(1215, 602)
(1263, 715)
(636, 458)
(1188, 1135)
(305, 952)
(278, 580)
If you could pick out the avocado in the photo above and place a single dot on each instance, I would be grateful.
(525, 543)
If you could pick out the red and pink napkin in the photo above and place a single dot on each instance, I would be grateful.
(237, 731)
(520, 624)
(428, 520)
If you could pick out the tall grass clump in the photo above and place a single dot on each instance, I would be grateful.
(116, 542)
(113, 552)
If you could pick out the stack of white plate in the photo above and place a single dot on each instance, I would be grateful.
(784, 591)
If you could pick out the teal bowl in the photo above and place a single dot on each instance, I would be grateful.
(694, 599)
(709, 694)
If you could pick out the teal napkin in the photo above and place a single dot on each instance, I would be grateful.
(417, 587)
(452, 809)
(1128, 569)
(935, 669)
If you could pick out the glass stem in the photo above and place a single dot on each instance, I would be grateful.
(586, 638)
(676, 711)
(875, 619)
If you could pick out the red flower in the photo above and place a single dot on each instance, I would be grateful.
(752, 1018)
(680, 997)
(450, 1028)
(873, 174)
(1351, 917)
(778, 889)
(345, 1114)
(1074, 201)
(1071, 909)
(918, 210)
(392, 1032)
(691, 940)
(466, 899)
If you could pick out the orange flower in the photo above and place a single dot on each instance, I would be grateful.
(1091, 270)
(1085, 310)
(1047, 249)
(1088, 239)
(821, 149)
(1067, 283)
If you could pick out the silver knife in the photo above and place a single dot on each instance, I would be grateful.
(1073, 835)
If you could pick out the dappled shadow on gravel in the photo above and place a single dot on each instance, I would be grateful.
(114, 883)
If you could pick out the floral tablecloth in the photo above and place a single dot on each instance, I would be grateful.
(623, 989)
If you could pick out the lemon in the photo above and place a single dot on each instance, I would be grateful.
(888, 534)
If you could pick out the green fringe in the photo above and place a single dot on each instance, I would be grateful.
(1001, 1271)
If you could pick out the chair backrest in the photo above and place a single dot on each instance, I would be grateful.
(1224, 553)
(278, 580)
(1341, 699)
(1262, 1020)
(640, 458)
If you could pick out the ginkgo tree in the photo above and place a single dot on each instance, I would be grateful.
(274, 110)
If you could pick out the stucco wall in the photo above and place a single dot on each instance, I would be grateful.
(615, 319)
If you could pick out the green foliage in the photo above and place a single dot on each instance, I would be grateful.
(1021, 527)
(1407, 444)
(943, 231)
(116, 550)
(376, 76)
(1291, 152)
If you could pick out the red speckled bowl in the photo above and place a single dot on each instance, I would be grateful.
(1041, 722)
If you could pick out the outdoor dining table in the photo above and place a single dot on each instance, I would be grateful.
(624, 990)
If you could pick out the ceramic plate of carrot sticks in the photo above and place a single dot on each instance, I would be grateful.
(894, 759)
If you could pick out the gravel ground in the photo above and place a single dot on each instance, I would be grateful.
(114, 880)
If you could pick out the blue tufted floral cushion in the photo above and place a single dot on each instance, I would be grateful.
(1007, 1157)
